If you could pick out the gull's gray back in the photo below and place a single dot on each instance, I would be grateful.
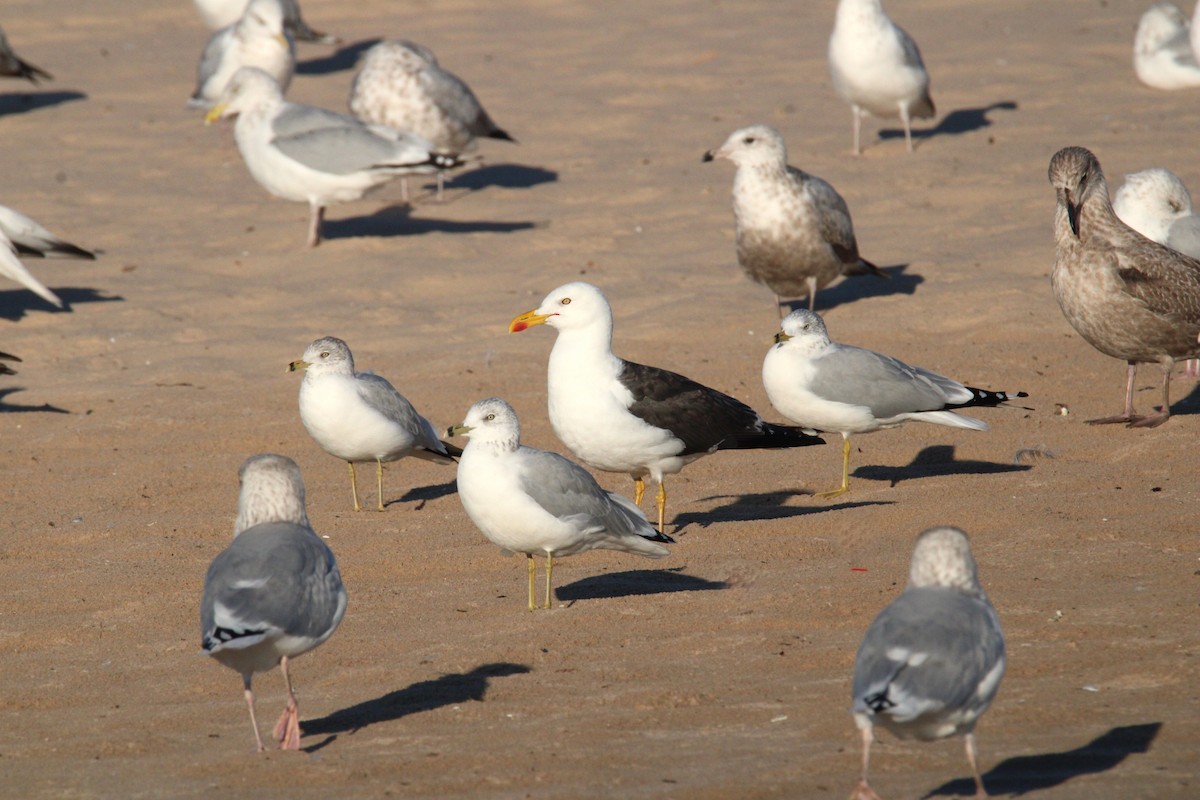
(887, 386)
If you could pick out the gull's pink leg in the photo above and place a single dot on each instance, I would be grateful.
(287, 729)
(250, 705)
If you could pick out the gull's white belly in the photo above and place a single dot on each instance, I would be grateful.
(345, 426)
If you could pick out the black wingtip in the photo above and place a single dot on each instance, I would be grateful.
(867, 266)
(708, 156)
(660, 537)
(984, 397)
(500, 133)
(32, 73)
(452, 450)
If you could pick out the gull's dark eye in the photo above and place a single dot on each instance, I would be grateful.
(566, 301)
(490, 417)
(748, 140)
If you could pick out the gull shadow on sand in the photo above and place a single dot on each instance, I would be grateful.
(860, 287)
(635, 583)
(506, 176)
(959, 121)
(1185, 406)
(340, 60)
(17, 303)
(759, 506)
(933, 461)
(423, 494)
(9, 408)
(1022, 774)
(22, 102)
(448, 690)
(397, 220)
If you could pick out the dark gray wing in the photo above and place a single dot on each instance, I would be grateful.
(886, 385)
(455, 98)
(274, 577)
(960, 639)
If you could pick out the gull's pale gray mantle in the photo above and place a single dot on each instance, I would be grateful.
(275, 593)
(794, 233)
(1129, 297)
(619, 416)
(31, 238)
(359, 416)
(931, 662)
(530, 501)
(13, 66)
(219, 13)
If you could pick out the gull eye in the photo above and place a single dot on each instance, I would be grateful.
(490, 417)
(566, 301)
(325, 354)
(748, 140)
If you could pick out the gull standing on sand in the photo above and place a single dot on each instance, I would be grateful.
(834, 387)
(255, 40)
(275, 593)
(794, 233)
(1156, 204)
(877, 68)
(359, 416)
(219, 13)
(619, 416)
(402, 86)
(13, 66)
(1162, 49)
(308, 154)
(931, 662)
(530, 501)
(1127, 296)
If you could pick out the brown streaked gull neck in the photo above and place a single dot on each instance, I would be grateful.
(794, 233)
(1129, 297)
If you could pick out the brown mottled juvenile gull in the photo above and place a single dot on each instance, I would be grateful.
(402, 86)
(219, 13)
(1162, 50)
(530, 501)
(275, 593)
(255, 40)
(876, 67)
(308, 154)
(931, 662)
(619, 416)
(834, 387)
(1129, 297)
(794, 233)
(359, 416)
(13, 66)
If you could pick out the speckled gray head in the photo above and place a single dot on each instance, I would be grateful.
(942, 558)
(272, 490)
(1077, 178)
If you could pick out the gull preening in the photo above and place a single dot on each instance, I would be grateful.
(1162, 49)
(876, 67)
(839, 388)
(359, 416)
(931, 662)
(275, 593)
(217, 14)
(531, 501)
(1127, 296)
(401, 85)
(619, 416)
(13, 66)
(1156, 204)
(307, 154)
(257, 39)
(794, 233)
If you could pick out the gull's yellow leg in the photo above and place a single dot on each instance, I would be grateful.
(845, 487)
(639, 489)
(379, 482)
(549, 571)
(661, 497)
(532, 569)
(354, 486)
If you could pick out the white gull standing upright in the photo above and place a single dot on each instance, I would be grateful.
(876, 67)
(275, 593)
(1162, 49)
(359, 416)
(257, 39)
(794, 233)
(828, 386)
(530, 501)
(619, 416)
(931, 662)
(307, 154)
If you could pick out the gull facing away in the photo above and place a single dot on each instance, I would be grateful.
(834, 387)
(794, 233)
(13, 66)
(876, 67)
(931, 662)
(217, 14)
(255, 40)
(359, 416)
(1162, 49)
(531, 501)
(275, 593)
(31, 238)
(402, 86)
(619, 416)
(1156, 204)
(308, 154)
(1128, 297)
